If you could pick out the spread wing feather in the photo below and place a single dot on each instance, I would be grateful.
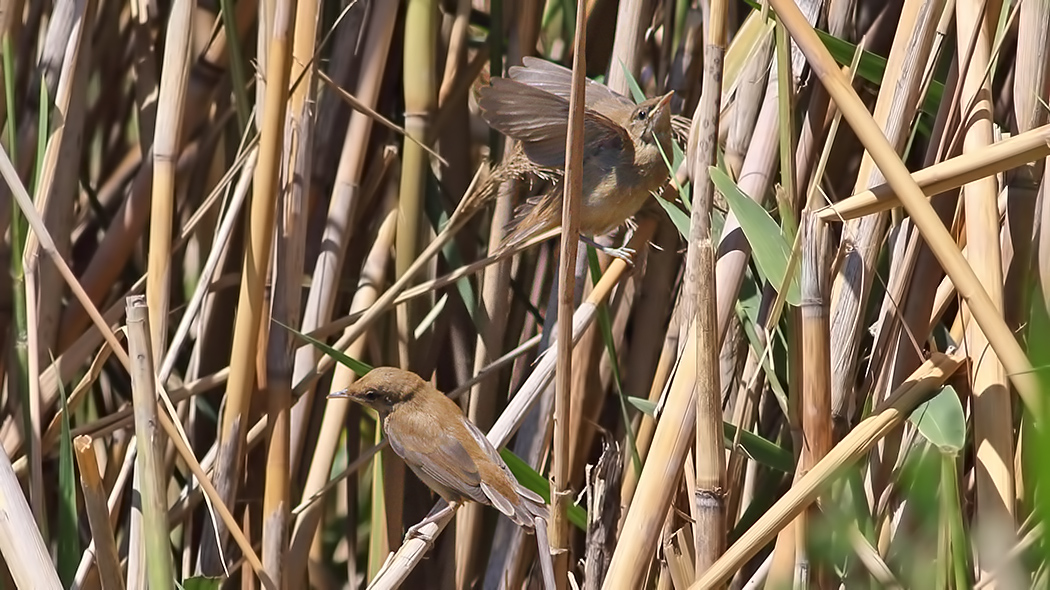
(556, 79)
(538, 118)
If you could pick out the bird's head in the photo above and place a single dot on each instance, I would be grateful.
(650, 121)
(383, 389)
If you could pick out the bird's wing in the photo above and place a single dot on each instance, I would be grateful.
(556, 79)
(490, 450)
(538, 119)
(442, 459)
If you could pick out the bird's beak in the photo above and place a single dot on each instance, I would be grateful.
(665, 100)
(341, 394)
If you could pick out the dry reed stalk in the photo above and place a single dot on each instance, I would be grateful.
(289, 255)
(216, 257)
(990, 395)
(245, 346)
(24, 551)
(700, 306)
(420, 91)
(343, 204)
(561, 494)
(930, 376)
(647, 425)
(658, 481)
(816, 408)
(103, 544)
(1030, 75)
(950, 174)
(167, 143)
(749, 94)
(494, 296)
(755, 179)
(1002, 340)
(57, 190)
(149, 466)
(652, 315)
(630, 19)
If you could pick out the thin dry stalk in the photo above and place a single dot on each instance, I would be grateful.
(150, 445)
(926, 220)
(925, 381)
(328, 438)
(991, 403)
(756, 176)
(561, 495)
(945, 176)
(95, 504)
(658, 481)
(288, 270)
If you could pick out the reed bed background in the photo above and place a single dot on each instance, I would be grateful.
(825, 366)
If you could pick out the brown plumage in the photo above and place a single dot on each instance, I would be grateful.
(442, 447)
(622, 164)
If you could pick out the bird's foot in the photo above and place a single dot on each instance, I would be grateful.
(623, 253)
(435, 515)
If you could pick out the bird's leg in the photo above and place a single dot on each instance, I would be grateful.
(435, 515)
(623, 253)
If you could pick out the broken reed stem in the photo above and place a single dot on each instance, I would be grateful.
(149, 463)
(97, 507)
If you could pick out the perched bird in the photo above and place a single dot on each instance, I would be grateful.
(442, 447)
(622, 163)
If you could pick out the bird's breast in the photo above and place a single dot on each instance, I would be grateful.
(614, 190)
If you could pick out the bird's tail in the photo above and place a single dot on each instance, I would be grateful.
(531, 506)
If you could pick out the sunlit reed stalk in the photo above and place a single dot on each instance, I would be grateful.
(254, 271)
(898, 102)
(167, 143)
(993, 523)
(699, 294)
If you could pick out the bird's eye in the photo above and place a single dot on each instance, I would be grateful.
(642, 114)
(371, 395)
